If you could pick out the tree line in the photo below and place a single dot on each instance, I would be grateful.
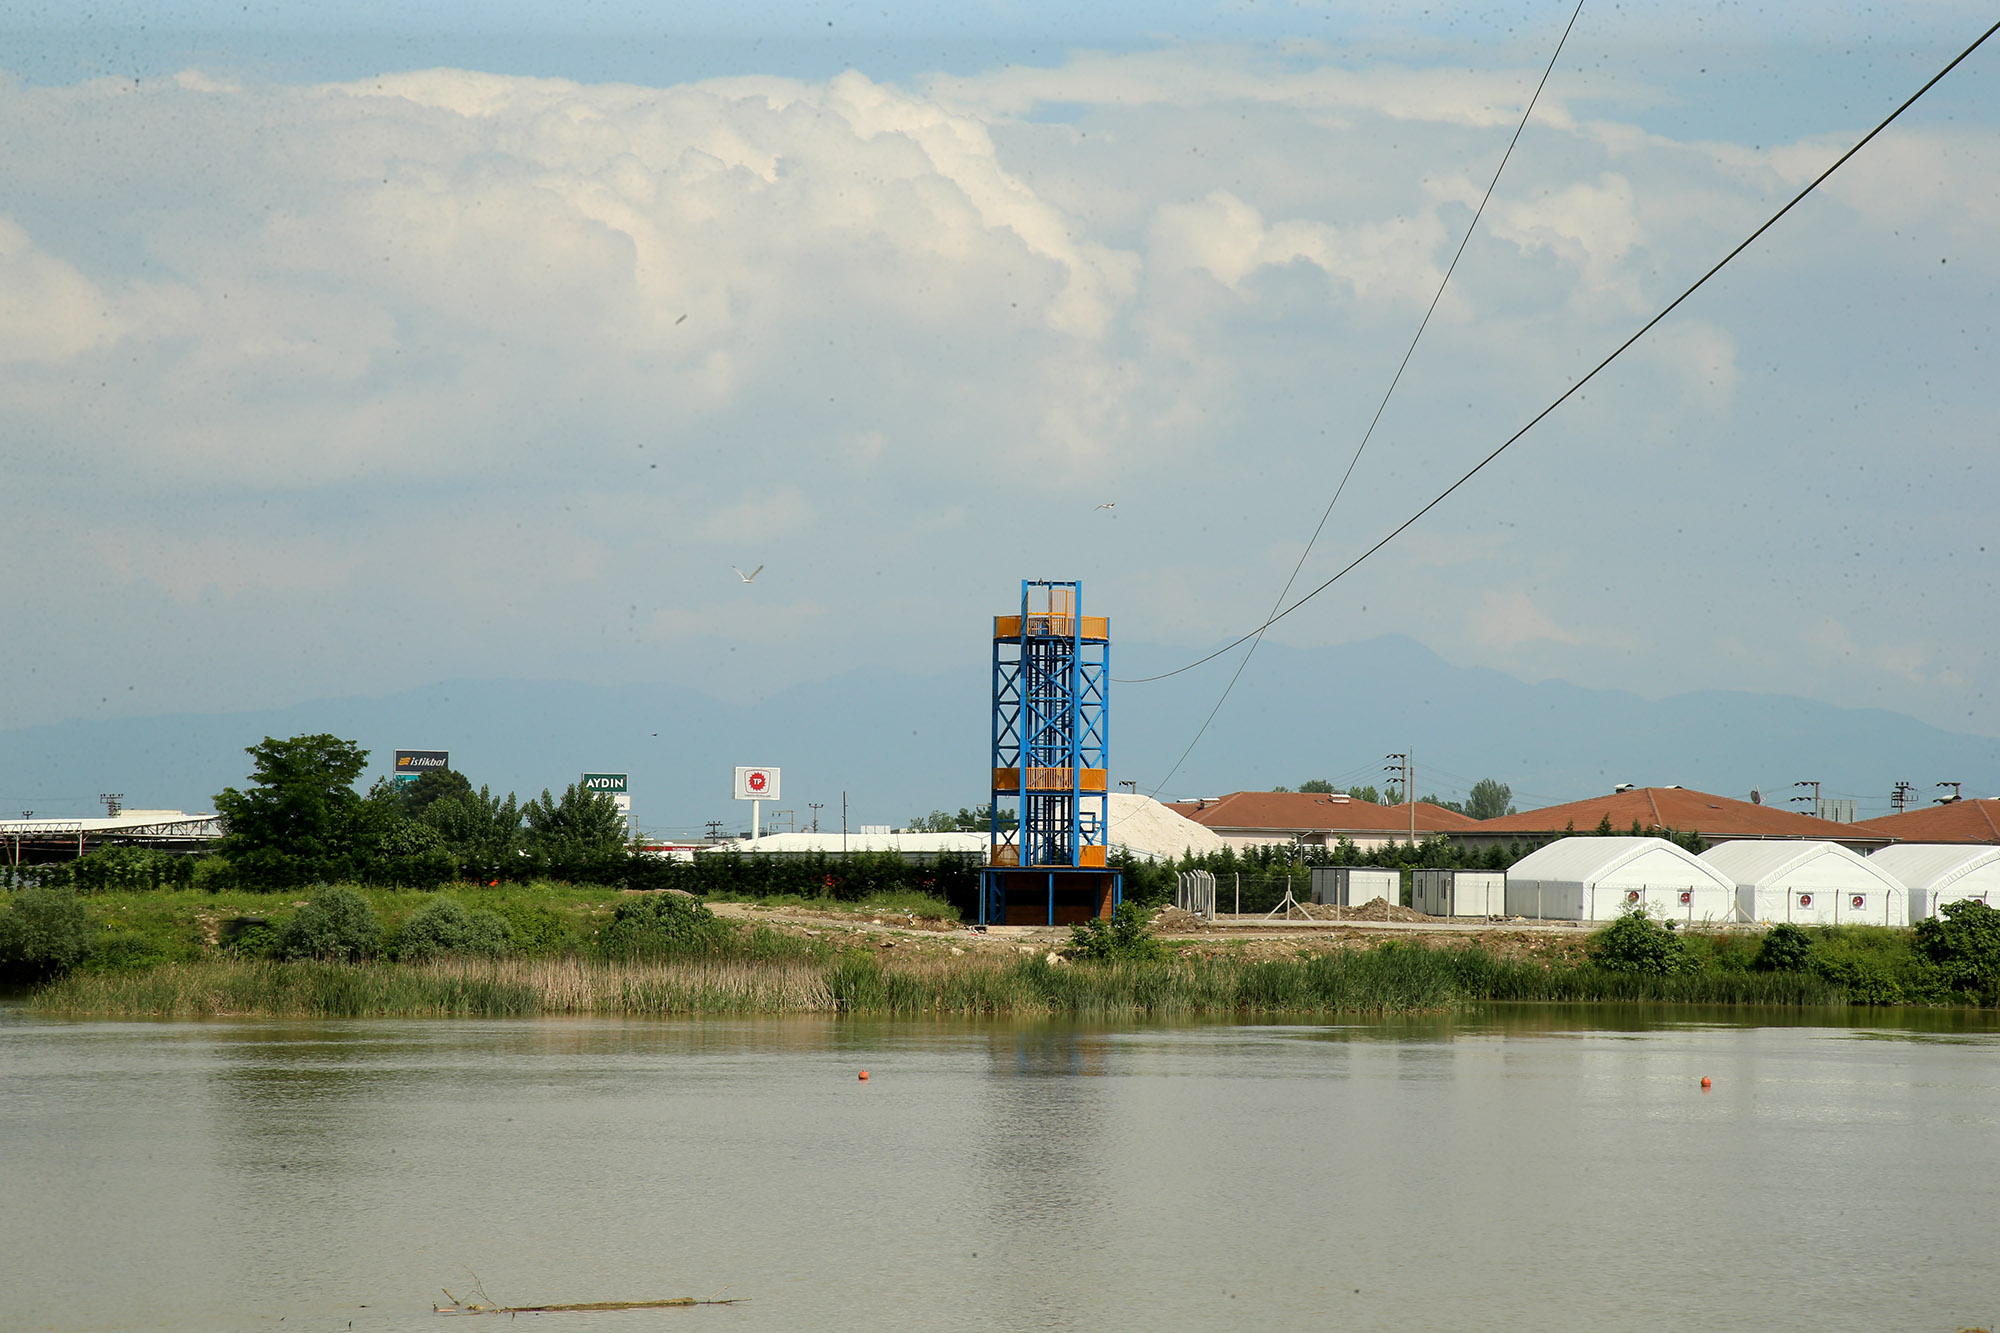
(1488, 799)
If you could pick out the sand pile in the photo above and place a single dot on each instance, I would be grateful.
(1173, 921)
(1148, 829)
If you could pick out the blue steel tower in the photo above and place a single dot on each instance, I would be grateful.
(1051, 763)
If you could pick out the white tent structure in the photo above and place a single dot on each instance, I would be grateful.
(1810, 884)
(1598, 879)
(1937, 873)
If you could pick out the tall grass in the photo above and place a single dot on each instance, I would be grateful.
(1377, 981)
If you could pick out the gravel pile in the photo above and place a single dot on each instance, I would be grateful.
(1146, 828)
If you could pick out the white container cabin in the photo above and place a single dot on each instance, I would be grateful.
(1459, 892)
(1810, 884)
(1600, 879)
(1355, 886)
(1937, 873)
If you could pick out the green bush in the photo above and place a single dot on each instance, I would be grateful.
(1962, 946)
(43, 934)
(1126, 937)
(662, 924)
(1786, 948)
(336, 926)
(537, 930)
(443, 926)
(1636, 942)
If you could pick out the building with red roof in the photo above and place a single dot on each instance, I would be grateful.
(1952, 821)
(1248, 819)
(1658, 809)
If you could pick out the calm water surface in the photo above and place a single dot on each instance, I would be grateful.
(1527, 1168)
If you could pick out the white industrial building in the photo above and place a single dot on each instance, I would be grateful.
(1459, 892)
(1936, 873)
(1810, 884)
(1598, 879)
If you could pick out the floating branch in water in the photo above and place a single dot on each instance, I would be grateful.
(486, 1305)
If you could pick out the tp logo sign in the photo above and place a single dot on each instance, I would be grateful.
(756, 783)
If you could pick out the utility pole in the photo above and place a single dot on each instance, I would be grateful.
(1902, 796)
(114, 802)
(1955, 796)
(715, 830)
(816, 807)
(1400, 764)
(843, 826)
(1814, 798)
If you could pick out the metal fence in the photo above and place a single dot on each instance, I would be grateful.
(1194, 891)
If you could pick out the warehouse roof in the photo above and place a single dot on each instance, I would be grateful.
(1681, 808)
(1934, 866)
(1959, 821)
(1585, 860)
(1762, 863)
(1316, 812)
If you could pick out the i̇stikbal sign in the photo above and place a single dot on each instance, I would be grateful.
(413, 764)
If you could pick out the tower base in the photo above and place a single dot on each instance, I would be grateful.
(1049, 896)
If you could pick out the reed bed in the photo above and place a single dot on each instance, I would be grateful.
(1391, 980)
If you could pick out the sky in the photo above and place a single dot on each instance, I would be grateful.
(350, 347)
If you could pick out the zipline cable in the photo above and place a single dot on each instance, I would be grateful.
(1645, 328)
(1374, 421)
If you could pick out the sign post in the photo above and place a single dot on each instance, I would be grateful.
(413, 764)
(613, 784)
(756, 785)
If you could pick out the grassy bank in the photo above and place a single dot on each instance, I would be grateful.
(1375, 981)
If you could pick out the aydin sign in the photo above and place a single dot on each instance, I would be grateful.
(606, 782)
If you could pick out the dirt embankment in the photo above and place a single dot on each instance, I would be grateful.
(1254, 937)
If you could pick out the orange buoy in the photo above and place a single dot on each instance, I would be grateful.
(864, 1076)
(1704, 1080)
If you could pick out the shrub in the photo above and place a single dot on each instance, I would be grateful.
(659, 924)
(1962, 945)
(1637, 943)
(1124, 938)
(443, 926)
(537, 930)
(1786, 948)
(43, 934)
(337, 925)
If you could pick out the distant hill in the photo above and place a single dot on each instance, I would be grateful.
(902, 745)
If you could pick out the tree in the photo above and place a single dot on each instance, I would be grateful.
(336, 926)
(1368, 794)
(43, 933)
(1637, 943)
(414, 798)
(302, 819)
(583, 826)
(1963, 945)
(1317, 785)
(1489, 799)
(480, 829)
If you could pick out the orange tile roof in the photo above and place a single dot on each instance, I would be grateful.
(1678, 808)
(1315, 812)
(1961, 821)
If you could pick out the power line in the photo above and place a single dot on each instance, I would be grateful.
(1644, 329)
(1380, 407)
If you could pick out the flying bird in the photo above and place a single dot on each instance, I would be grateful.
(751, 577)
(1109, 504)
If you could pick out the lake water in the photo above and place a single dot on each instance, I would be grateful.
(1524, 1168)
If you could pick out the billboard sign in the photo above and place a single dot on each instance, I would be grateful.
(756, 784)
(413, 764)
(612, 785)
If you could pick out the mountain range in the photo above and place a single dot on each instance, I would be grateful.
(896, 746)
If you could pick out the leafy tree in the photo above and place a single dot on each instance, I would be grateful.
(582, 827)
(974, 819)
(1963, 945)
(336, 926)
(480, 829)
(302, 818)
(414, 798)
(1489, 799)
(1281, 788)
(43, 934)
(1369, 794)
(1786, 948)
(1637, 943)
(1316, 785)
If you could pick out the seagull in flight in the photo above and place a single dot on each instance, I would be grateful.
(1108, 504)
(751, 577)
